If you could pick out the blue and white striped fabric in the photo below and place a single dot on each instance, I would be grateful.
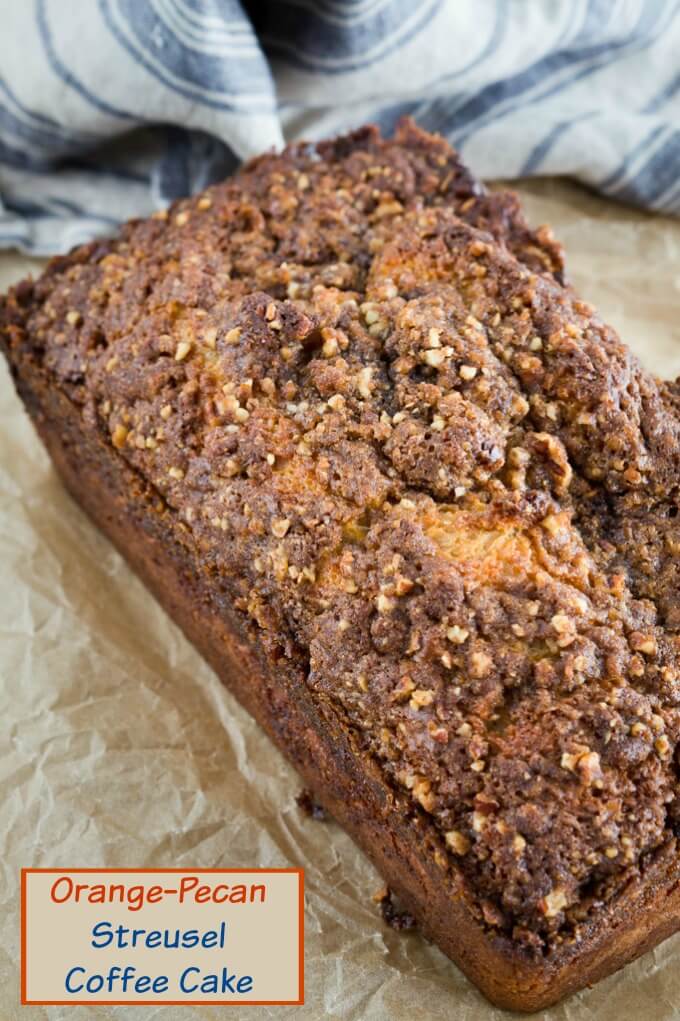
(111, 108)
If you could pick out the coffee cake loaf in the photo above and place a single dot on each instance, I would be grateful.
(416, 504)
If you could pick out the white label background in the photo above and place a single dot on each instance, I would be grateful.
(262, 940)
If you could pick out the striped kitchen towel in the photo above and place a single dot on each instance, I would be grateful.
(112, 108)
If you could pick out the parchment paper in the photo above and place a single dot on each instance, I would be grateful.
(119, 747)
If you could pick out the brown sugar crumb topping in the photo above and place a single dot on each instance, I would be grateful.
(407, 450)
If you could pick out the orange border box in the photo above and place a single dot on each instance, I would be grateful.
(169, 1003)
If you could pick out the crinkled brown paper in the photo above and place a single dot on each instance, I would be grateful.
(119, 747)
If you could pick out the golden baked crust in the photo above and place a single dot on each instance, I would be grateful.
(399, 459)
